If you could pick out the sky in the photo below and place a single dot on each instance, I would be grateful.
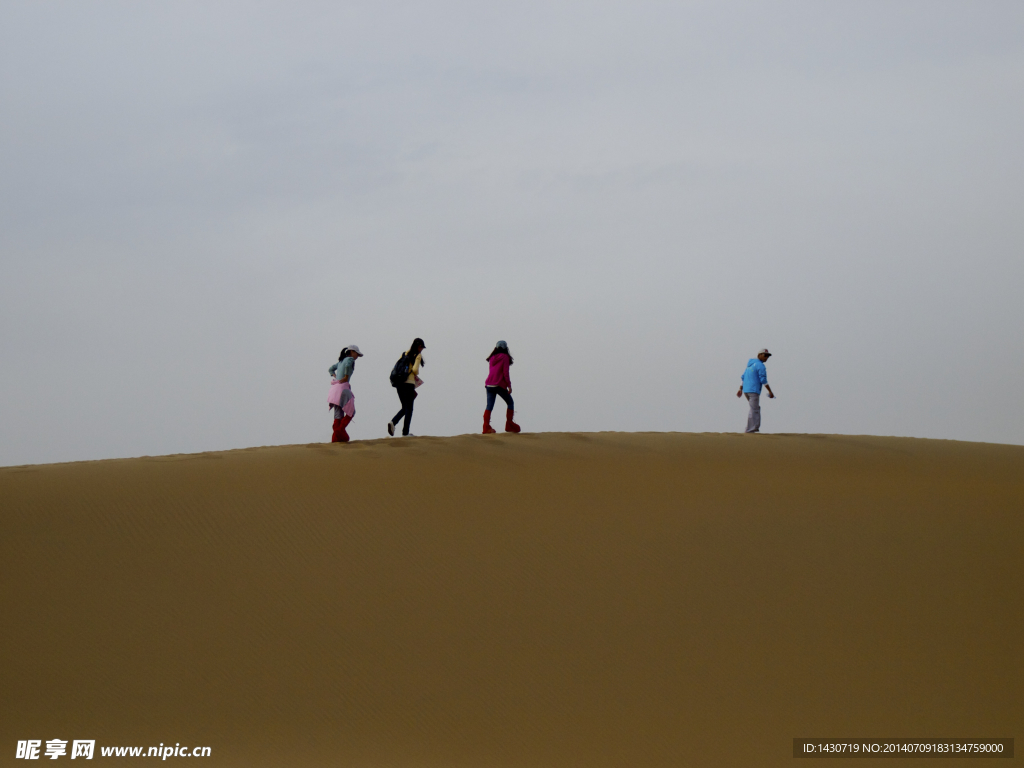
(201, 203)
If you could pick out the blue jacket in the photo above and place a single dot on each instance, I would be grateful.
(343, 368)
(755, 375)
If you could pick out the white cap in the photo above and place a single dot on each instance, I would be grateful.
(760, 352)
(354, 348)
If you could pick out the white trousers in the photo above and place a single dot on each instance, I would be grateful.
(754, 417)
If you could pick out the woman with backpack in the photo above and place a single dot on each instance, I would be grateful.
(406, 383)
(340, 399)
(498, 384)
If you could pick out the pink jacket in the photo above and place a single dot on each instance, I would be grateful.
(498, 377)
(340, 396)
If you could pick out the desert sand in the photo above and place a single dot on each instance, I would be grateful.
(516, 600)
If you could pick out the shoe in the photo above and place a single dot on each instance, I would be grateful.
(339, 427)
(510, 426)
(391, 428)
(488, 429)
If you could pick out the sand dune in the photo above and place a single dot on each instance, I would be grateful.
(531, 600)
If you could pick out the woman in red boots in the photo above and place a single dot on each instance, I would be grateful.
(499, 384)
(341, 400)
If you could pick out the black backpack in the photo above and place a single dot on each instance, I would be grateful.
(400, 372)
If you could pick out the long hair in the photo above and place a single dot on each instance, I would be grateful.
(343, 355)
(505, 350)
(416, 347)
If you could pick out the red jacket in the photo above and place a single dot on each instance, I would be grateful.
(498, 377)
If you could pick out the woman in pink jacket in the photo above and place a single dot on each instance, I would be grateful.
(498, 384)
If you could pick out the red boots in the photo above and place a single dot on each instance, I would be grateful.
(510, 426)
(340, 435)
(488, 429)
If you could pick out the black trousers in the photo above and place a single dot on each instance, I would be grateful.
(406, 393)
(501, 392)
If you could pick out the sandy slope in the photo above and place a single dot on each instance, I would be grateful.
(531, 600)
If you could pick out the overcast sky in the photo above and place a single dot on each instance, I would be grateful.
(201, 203)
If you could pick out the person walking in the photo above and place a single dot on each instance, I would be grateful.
(498, 384)
(753, 377)
(340, 398)
(413, 358)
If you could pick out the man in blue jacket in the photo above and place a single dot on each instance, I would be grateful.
(755, 375)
